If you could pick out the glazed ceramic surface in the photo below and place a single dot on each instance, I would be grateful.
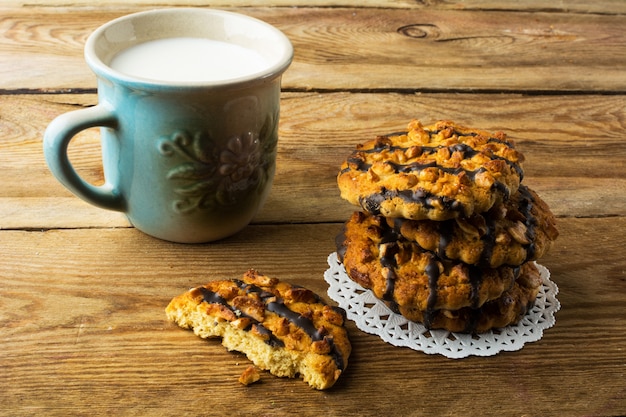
(186, 161)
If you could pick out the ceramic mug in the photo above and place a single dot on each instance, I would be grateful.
(186, 160)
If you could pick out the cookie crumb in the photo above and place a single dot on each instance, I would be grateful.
(250, 375)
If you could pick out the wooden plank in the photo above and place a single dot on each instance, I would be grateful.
(312, 123)
(573, 144)
(567, 198)
(82, 294)
(83, 325)
(363, 49)
(571, 6)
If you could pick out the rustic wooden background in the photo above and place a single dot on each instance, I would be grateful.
(82, 328)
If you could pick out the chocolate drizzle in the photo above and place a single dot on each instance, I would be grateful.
(432, 271)
(372, 202)
(388, 252)
(445, 236)
(389, 247)
(521, 212)
(525, 207)
(277, 306)
(302, 322)
(340, 244)
(390, 244)
(214, 298)
(489, 240)
(460, 147)
(475, 278)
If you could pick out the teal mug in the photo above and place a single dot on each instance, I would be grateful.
(189, 135)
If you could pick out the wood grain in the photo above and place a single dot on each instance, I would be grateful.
(84, 331)
(82, 293)
(575, 152)
(572, 6)
(364, 49)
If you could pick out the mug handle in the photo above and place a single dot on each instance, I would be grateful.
(57, 138)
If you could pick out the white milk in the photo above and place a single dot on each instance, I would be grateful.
(188, 59)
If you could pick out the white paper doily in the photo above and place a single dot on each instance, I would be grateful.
(372, 316)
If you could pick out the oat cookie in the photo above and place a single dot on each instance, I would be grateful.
(436, 172)
(506, 310)
(285, 329)
(519, 230)
(406, 276)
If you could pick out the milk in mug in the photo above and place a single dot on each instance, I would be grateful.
(188, 59)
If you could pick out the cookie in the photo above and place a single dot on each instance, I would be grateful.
(436, 172)
(250, 376)
(285, 329)
(406, 276)
(506, 310)
(519, 230)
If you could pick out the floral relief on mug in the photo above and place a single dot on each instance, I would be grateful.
(215, 176)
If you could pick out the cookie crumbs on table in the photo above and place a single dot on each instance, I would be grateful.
(250, 375)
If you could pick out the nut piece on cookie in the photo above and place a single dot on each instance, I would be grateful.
(285, 329)
(440, 294)
(404, 275)
(520, 230)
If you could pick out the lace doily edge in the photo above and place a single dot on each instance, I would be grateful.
(466, 345)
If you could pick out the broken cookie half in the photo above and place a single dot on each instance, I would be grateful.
(285, 329)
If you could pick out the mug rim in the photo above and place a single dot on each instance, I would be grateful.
(104, 70)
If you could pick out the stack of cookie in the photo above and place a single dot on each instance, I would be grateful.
(448, 234)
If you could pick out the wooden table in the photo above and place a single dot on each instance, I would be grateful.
(82, 294)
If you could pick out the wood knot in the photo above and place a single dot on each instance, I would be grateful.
(420, 31)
